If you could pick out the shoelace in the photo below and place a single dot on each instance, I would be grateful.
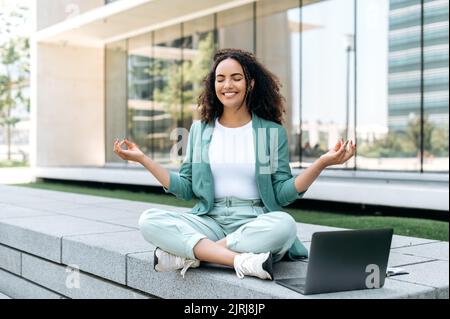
(188, 263)
(177, 262)
(169, 259)
(244, 267)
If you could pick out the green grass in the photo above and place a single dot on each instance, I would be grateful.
(414, 227)
(6, 163)
(121, 194)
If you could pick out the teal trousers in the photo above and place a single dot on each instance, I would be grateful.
(245, 224)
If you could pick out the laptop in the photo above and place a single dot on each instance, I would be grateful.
(344, 260)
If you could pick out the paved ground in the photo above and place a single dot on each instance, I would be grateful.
(15, 175)
(2, 296)
(62, 245)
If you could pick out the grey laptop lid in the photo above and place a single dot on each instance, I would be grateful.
(344, 260)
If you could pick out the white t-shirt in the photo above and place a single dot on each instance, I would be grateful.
(232, 160)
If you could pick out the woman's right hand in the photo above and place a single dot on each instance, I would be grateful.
(132, 153)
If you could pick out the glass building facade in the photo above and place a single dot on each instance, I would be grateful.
(375, 71)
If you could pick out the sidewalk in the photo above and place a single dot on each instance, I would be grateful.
(15, 175)
(2, 296)
(42, 232)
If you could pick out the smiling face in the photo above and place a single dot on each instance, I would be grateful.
(230, 83)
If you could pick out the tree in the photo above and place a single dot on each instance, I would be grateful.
(193, 73)
(13, 80)
(14, 69)
(407, 142)
(414, 132)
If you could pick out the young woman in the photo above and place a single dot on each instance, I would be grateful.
(237, 165)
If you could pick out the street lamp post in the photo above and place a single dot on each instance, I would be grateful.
(349, 48)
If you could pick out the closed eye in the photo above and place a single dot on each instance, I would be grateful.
(234, 79)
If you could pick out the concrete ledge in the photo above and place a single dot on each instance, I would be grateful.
(96, 253)
(42, 235)
(79, 286)
(100, 238)
(218, 282)
(434, 250)
(10, 260)
(430, 274)
(2, 296)
(17, 287)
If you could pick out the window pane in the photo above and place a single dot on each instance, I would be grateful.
(198, 52)
(140, 91)
(435, 86)
(167, 92)
(116, 96)
(235, 28)
(278, 26)
(327, 82)
(388, 85)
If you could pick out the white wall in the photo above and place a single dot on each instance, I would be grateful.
(69, 106)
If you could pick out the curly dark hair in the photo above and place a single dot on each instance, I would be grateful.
(265, 99)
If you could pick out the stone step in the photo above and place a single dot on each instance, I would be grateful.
(2, 296)
(18, 287)
(38, 243)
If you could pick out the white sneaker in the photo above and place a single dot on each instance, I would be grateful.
(258, 265)
(164, 261)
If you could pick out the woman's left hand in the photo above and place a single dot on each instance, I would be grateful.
(339, 154)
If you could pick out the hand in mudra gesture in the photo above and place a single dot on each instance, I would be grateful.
(339, 154)
(131, 153)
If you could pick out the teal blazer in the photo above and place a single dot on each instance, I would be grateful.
(274, 179)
